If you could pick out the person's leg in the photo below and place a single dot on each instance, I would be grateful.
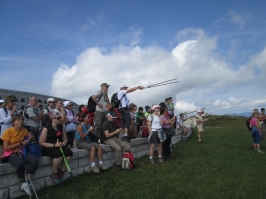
(68, 154)
(98, 123)
(166, 147)
(127, 124)
(15, 160)
(71, 138)
(160, 149)
(258, 136)
(112, 143)
(68, 139)
(33, 164)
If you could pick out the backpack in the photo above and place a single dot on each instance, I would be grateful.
(127, 161)
(91, 103)
(248, 124)
(31, 148)
(24, 113)
(115, 101)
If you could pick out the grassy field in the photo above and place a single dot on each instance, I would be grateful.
(224, 166)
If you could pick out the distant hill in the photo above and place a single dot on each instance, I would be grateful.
(245, 114)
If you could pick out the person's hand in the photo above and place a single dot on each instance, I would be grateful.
(59, 144)
(25, 142)
(118, 131)
(15, 107)
(62, 109)
(141, 87)
(91, 128)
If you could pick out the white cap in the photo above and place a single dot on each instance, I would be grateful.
(124, 86)
(66, 103)
(50, 99)
(199, 111)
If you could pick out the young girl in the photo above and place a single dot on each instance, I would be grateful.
(256, 134)
(156, 134)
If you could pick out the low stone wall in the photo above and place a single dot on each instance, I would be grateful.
(9, 184)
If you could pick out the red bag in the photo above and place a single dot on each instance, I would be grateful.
(127, 161)
(145, 132)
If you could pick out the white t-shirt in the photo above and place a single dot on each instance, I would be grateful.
(5, 119)
(124, 100)
(155, 125)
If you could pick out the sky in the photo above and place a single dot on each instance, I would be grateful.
(215, 49)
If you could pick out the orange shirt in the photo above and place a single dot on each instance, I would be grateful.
(14, 136)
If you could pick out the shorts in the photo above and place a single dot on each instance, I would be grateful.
(200, 128)
(54, 152)
(154, 139)
(87, 144)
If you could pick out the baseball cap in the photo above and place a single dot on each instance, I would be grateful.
(50, 99)
(104, 84)
(199, 111)
(147, 107)
(155, 106)
(112, 114)
(66, 103)
(124, 86)
(2, 101)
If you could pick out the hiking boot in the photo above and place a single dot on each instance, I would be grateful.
(95, 169)
(118, 167)
(152, 161)
(26, 188)
(259, 151)
(55, 178)
(124, 138)
(200, 142)
(128, 139)
(102, 167)
(160, 160)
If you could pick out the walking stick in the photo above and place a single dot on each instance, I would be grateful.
(171, 81)
(70, 172)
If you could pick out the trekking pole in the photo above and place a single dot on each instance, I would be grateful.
(70, 172)
(171, 81)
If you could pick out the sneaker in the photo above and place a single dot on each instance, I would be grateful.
(55, 179)
(95, 169)
(152, 161)
(200, 142)
(124, 138)
(60, 174)
(26, 188)
(160, 160)
(255, 149)
(168, 158)
(259, 151)
(102, 167)
(118, 167)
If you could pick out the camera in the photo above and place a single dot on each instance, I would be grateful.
(40, 106)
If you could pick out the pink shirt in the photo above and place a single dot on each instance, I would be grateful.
(253, 121)
(165, 119)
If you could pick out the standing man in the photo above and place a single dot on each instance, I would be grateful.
(200, 124)
(32, 117)
(50, 107)
(123, 108)
(263, 124)
(101, 99)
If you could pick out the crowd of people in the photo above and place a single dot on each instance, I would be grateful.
(56, 128)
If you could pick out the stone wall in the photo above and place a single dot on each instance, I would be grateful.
(9, 184)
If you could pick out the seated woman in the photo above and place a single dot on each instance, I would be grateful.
(53, 136)
(84, 142)
(12, 143)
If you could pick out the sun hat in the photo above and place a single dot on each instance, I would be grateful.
(50, 100)
(155, 106)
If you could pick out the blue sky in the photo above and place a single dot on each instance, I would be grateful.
(65, 48)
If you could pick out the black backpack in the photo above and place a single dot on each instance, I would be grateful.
(115, 101)
(91, 104)
(248, 123)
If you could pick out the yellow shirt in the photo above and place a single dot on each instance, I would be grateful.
(14, 136)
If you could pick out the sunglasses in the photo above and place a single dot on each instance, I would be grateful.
(12, 100)
(70, 105)
(59, 118)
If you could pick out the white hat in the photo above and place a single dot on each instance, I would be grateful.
(2, 101)
(66, 103)
(124, 86)
(50, 99)
(199, 111)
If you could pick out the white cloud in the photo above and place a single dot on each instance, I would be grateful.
(200, 69)
(239, 19)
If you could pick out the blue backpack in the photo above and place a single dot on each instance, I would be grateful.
(32, 148)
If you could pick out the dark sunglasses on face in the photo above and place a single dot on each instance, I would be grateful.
(70, 105)
(12, 100)
(59, 118)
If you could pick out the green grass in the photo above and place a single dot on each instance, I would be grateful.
(224, 167)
